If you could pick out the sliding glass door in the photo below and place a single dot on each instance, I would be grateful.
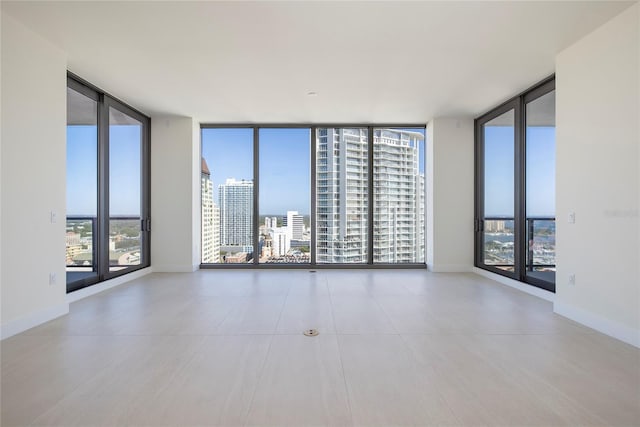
(540, 187)
(515, 188)
(128, 227)
(497, 210)
(108, 218)
(82, 185)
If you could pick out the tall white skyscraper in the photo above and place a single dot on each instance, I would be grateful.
(343, 207)
(270, 222)
(215, 251)
(210, 218)
(281, 242)
(342, 204)
(398, 217)
(295, 225)
(236, 213)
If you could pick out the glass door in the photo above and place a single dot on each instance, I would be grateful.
(108, 155)
(540, 256)
(495, 226)
(128, 223)
(515, 188)
(82, 185)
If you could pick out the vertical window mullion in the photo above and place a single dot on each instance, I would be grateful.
(102, 241)
(519, 188)
(370, 201)
(256, 195)
(312, 212)
(479, 199)
(146, 193)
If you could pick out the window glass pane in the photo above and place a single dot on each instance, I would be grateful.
(227, 195)
(399, 188)
(499, 191)
(125, 184)
(82, 184)
(540, 187)
(285, 195)
(342, 206)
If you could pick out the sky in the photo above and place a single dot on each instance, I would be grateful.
(499, 171)
(285, 168)
(285, 164)
(82, 167)
(124, 174)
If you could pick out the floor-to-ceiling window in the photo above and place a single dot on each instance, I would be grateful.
(515, 187)
(227, 195)
(342, 196)
(399, 195)
(108, 217)
(320, 195)
(285, 195)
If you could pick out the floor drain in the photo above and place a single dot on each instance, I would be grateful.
(311, 332)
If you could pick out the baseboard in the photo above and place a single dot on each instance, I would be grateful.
(175, 268)
(529, 289)
(107, 284)
(449, 268)
(599, 323)
(14, 327)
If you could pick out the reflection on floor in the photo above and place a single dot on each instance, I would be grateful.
(395, 348)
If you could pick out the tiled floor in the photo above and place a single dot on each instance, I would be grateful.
(395, 348)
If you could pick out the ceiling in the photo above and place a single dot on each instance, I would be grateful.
(367, 62)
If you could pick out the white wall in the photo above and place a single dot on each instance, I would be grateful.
(175, 213)
(450, 177)
(598, 142)
(33, 178)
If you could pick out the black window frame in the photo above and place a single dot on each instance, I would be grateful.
(518, 104)
(313, 265)
(101, 237)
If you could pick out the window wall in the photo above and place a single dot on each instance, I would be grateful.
(285, 196)
(227, 188)
(342, 196)
(108, 218)
(399, 195)
(515, 188)
(323, 195)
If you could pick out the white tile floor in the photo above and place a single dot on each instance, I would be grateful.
(395, 348)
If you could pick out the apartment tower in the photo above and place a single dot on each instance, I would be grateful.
(342, 196)
(210, 218)
(236, 214)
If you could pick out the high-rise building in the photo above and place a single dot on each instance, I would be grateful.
(295, 225)
(342, 196)
(236, 213)
(281, 241)
(215, 250)
(342, 204)
(210, 218)
(270, 222)
(398, 215)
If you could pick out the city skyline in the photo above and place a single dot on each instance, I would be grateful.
(343, 210)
